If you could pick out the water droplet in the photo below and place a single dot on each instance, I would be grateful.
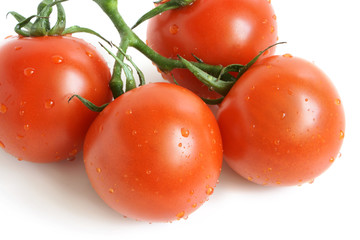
(176, 50)
(2, 145)
(274, 17)
(98, 170)
(342, 135)
(209, 190)
(180, 215)
(57, 59)
(49, 104)
(277, 142)
(332, 160)
(174, 29)
(287, 55)
(272, 29)
(311, 181)
(290, 92)
(3, 108)
(134, 132)
(90, 54)
(278, 182)
(19, 137)
(156, 131)
(26, 127)
(250, 179)
(111, 190)
(29, 71)
(21, 112)
(265, 21)
(283, 115)
(306, 99)
(17, 48)
(194, 205)
(185, 132)
(180, 145)
(192, 192)
(148, 172)
(73, 152)
(129, 112)
(337, 101)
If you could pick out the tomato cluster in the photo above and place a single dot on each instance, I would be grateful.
(155, 152)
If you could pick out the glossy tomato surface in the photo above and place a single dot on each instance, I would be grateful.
(38, 76)
(282, 123)
(155, 153)
(217, 32)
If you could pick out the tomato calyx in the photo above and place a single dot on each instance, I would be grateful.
(42, 27)
(162, 7)
(220, 84)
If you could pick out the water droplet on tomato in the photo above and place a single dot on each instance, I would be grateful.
(250, 179)
(90, 54)
(194, 205)
(274, 17)
(342, 135)
(111, 190)
(337, 101)
(21, 112)
(265, 21)
(3, 108)
(49, 104)
(180, 215)
(272, 29)
(98, 170)
(129, 112)
(185, 132)
(19, 137)
(332, 160)
(17, 48)
(26, 127)
(290, 92)
(29, 71)
(287, 55)
(283, 115)
(57, 59)
(2, 145)
(73, 152)
(174, 29)
(180, 145)
(306, 99)
(311, 181)
(134, 132)
(148, 172)
(156, 131)
(192, 192)
(209, 190)
(277, 142)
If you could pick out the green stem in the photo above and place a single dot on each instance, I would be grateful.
(130, 39)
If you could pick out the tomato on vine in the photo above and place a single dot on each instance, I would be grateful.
(215, 32)
(39, 73)
(154, 153)
(282, 123)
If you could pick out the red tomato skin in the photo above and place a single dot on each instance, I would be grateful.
(39, 75)
(155, 153)
(218, 32)
(282, 123)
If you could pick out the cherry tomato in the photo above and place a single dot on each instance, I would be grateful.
(217, 32)
(38, 76)
(282, 123)
(155, 153)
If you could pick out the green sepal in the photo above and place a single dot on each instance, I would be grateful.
(21, 18)
(219, 86)
(172, 4)
(138, 71)
(60, 25)
(89, 104)
(77, 29)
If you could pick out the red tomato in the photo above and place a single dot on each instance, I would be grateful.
(38, 76)
(218, 32)
(155, 153)
(282, 123)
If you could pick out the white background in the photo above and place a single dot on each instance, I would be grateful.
(56, 201)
